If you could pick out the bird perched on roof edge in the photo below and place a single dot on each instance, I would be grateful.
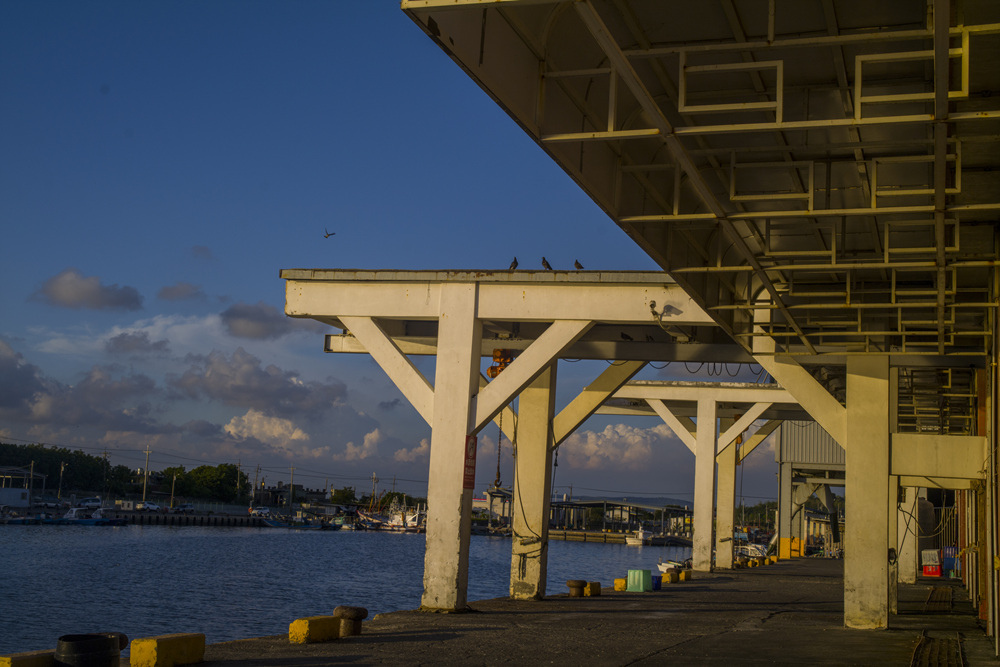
(513, 265)
(577, 264)
(545, 263)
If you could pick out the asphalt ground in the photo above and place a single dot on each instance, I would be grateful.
(787, 613)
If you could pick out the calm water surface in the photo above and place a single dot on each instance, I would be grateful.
(232, 583)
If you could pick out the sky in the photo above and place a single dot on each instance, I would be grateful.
(161, 162)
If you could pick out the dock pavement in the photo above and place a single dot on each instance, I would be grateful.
(789, 613)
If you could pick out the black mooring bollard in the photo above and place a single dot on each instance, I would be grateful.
(100, 649)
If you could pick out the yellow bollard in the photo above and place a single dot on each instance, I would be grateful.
(621, 584)
(183, 648)
(592, 589)
(29, 659)
(313, 629)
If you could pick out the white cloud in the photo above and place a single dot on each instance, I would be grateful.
(71, 289)
(421, 451)
(272, 430)
(617, 447)
(367, 449)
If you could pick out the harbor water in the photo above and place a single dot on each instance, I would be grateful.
(232, 583)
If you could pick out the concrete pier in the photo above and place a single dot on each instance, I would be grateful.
(787, 613)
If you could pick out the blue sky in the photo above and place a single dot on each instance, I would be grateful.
(160, 162)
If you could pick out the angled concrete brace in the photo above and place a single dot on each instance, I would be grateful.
(592, 397)
(526, 367)
(684, 428)
(583, 406)
(759, 436)
(743, 423)
(415, 387)
(809, 393)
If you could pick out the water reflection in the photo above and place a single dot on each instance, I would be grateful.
(242, 582)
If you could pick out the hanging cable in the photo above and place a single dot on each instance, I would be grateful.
(496, 483)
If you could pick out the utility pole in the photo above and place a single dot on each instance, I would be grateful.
(172, 485)
(62, 466)
(253, 491)
(291, 493)
(106, 472)
(145, 475)
(239, 473)
(31, 484)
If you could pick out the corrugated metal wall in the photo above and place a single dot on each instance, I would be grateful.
(807, 442)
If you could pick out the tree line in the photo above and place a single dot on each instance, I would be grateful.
(85, 473)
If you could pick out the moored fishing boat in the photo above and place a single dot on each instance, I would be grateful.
(639, 538)
(82, 516)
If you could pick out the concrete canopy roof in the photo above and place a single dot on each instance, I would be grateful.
(823, 174)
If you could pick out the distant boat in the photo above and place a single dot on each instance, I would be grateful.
(751, 550)
(274, 522)
(82, 516)
(665, 566)
(639, 538)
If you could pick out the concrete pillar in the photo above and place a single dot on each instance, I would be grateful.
(449, 495)
(725, 507)
(704, 486)
(892, 539)
(866, 490)
(532, 488)
(906, 531)
(785, 510)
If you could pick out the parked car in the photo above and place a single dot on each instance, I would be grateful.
(90, 503)
(186, 508)
(147, 506)
(260, 511)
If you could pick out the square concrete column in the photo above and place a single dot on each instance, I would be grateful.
(866, 571)
(725, 506)
(892, 539)
(449, 495)
(532, 488)
(785, 506)
(704, 486)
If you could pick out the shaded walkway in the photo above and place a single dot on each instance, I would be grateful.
(791, 612)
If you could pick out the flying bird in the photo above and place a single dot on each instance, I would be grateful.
(513, 265)
(545, 263)
(577, 264)
(328, 233)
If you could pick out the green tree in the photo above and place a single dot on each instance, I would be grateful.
(344, 496)
(219, 482)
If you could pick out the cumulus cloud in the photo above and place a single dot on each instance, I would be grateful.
(201, 252)
(241, 380)
(135, 343)
(181, 292)
(272, 430)
(70, 289)
(422, 451)
(19, 380)
(104, 398)
(258, 321)
(618, 446)
(368, 448)
(389, 405)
